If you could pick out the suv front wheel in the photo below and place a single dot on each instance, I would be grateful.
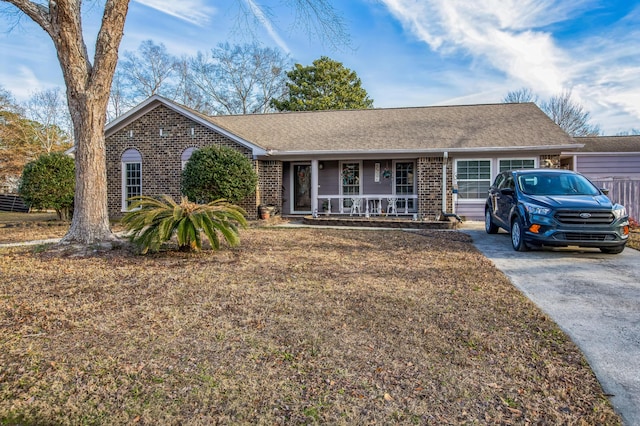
(489, 226)
(517, 235)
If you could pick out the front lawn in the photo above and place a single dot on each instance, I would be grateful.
(292, 327)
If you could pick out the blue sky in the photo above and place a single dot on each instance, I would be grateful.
(407, 52)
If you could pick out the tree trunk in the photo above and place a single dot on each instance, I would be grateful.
(90, 222)
(88, 85)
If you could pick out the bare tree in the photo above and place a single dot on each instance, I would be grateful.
(49, 108)
(148, 71)
(187, 92)
(569, 115)
(88, 82)
(8, 102)
(632, 132)
(119, 101)
(520, 96)
(240, 79)
(566, 113)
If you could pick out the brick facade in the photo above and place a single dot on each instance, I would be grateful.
(429, 187)
(270, 184)
(161, 155)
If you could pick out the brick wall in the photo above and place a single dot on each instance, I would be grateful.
(270, 183)
(161, 155)
(429, 182)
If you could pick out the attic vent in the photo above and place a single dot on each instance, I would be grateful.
(130, 133)
(192, 132)
(164, 133)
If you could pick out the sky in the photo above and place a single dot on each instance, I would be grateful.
(406, 52)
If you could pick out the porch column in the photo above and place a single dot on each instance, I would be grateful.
(314, 186)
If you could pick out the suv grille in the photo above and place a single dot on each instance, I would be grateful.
(582, 236)
(585, 217)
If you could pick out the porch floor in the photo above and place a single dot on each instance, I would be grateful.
(378, 222)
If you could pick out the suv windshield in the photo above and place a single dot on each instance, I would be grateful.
(556, 184)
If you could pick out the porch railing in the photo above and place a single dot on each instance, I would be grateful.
(368, 204)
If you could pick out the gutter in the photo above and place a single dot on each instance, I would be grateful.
(378, 152)
(445, 157)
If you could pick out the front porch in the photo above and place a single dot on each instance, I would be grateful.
(379, 222)
(363, 188)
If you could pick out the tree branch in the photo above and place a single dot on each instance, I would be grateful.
(37, 12)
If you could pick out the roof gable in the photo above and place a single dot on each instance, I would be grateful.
(156, 101)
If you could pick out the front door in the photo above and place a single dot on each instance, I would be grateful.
(301, 185)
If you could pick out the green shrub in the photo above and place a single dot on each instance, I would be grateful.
(49, 183)
(152, 222)
(218, 173)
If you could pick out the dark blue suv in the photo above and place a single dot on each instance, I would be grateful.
(554, 207)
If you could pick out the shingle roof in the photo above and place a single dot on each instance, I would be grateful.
(610, 143)
(421, 128)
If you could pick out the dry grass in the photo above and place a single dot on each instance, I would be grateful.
(293, 327)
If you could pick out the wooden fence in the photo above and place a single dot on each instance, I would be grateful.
(625, 191)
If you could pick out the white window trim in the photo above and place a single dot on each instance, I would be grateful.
(124, 183)
(415, 182)
(359, 162)
(535, 162)
(340, 188)
(492, 166)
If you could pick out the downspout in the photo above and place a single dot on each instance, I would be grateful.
(314, 187)
(445, 157)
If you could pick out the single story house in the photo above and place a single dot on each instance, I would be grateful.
(420, 162)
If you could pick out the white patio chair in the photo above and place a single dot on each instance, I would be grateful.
(392, 207)
(355, 206)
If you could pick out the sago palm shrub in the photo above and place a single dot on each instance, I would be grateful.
(153, 221)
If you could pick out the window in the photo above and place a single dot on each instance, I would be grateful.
(404, 184)
(186, 155)
(350, 181)
(131, 176)
(515, 164)
(474, 178)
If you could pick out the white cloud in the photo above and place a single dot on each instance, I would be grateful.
(196, 12)
(268, 26)
(23, 83)
(512, 37)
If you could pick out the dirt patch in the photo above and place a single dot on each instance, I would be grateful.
(292, 327)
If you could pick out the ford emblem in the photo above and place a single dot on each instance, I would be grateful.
(585, 215)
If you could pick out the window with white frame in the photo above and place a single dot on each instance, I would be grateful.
(404, 185)
(515, 164)
(131, 176)
(350, 181)
(474, 178)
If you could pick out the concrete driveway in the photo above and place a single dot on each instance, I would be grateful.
(593, 297)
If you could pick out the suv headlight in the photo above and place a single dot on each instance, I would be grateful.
(533, 209)
(619, 211)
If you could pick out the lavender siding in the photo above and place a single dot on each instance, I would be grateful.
(471, 210)
(619, 173)
(608, 165)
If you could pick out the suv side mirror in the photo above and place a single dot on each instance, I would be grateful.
(507, 191)
(605, 191)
